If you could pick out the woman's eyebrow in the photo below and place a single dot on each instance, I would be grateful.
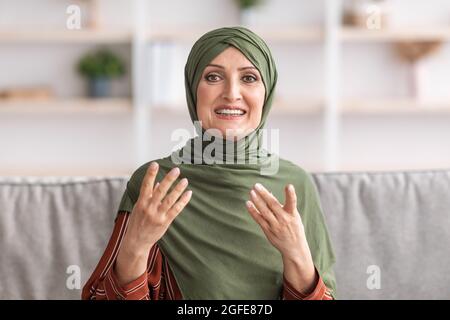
(222, 67)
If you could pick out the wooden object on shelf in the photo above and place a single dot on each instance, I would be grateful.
(26, 94)
(94, 14)
(413, 52)
(366, 14)
(354, 20)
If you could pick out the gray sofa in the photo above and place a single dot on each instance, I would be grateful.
(391, 233)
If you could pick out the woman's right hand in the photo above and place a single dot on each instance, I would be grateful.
(155, 210)
(152, 215)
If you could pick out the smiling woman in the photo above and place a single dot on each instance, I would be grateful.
(230, 95)
(229, 236)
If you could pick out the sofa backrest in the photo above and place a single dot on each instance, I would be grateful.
(395, 225)
(390, 232)
(53, 230)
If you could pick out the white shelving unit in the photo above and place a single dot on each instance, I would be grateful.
(331, 35)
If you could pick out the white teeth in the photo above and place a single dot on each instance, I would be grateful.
(230, 111)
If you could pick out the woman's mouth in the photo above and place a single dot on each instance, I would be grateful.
(229, 113)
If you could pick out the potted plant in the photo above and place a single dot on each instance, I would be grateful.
(99, 68)
(246, 12)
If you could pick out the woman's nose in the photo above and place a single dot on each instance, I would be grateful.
(232, 90)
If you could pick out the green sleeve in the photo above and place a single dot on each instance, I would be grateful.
(131, 193)
(316, 232)
(126, 203)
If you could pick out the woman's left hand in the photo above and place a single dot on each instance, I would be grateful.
(281, 224)
(284, 228)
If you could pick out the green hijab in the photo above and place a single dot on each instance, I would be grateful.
(214, 247)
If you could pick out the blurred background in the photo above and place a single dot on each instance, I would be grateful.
(96, 87)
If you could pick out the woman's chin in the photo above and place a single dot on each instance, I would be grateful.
(231, 133)
(234, 134)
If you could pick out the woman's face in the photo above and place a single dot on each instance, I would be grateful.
(230, 95)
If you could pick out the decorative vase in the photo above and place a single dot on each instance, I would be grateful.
(99, 87)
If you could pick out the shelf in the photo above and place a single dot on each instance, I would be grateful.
(395, 106)
(190, 35)
(95, 36)
(374, 168)
(67, 106)
(290, 34)
(353, 34)
(280, 108)
(348, 107)
(68, 171)
(302, 107)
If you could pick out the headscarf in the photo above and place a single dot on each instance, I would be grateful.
(202, 53)
(214, 247)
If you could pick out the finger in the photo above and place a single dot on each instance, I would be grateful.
(291, 199)
(175, 210)
(262, 207)
(149, 178)
(270, 200)
(256, 215)
(170, 199)
(164, 186)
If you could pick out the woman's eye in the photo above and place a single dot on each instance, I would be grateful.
(212, 77)
(249, 78)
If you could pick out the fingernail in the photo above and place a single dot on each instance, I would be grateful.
(189, 193)
(153, 165)
(253, 193)
(175, 171)
(291, 188)
(184, 182)
(248, 204)
(258, 186)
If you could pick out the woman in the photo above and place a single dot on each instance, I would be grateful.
(228, 236)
